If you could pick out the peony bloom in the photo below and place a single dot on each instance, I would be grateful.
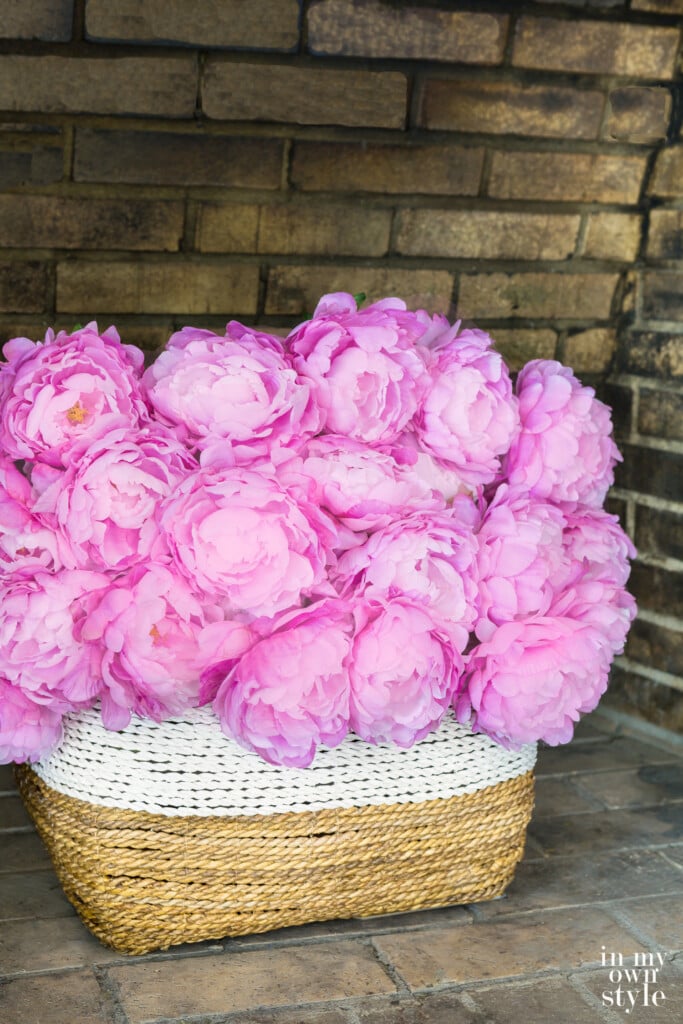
(65, 392)
(242, 539)
(428, 558)
(403, 669)
(468, 416)
(236, 393)
(27, 543)
(290, 691)
(533, 679)
(41, 650)
(106, 503)
(564, 451)
(367, 374)
(363, 488)
(28, 731)
(608, 608)
(147, 624)
(596, 547)
(521, 559)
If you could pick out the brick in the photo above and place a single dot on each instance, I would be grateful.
(323, 230)
(295, 290)
(261, 92)
(551, 296)
(665, 237)
(592, 47)
(156, 287)
(668, 1006)
(668, 173)
(212, 985)
(465, 105)
(612, 236)
(257, 25)
(590, 351)
(567, 177)
(536, 1002)
(22, 287)
(573, 834)
(658, 6)
(660, 413)
(351, 28)
(659, 532)
(483, 234)
(651, 471)
(502, 948)
(170, 158)
(56, 222)
(520, 346)
(365, 167)
(656, 647)
(638, 114)
(42, 165)
(59, 999)
(663, 295)
(49, 20)
(558, 796)
(644, 698)
(657, 589)
(620, 401)
(158, 87)
(227, 228)
(653, 354)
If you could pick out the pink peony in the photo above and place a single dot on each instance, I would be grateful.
(533, 679)
(236, 393)
(66, 391)
(290, 691)
(367, 374)
(564, 451)
(429, 558)
(242, 539)
(106, 503)
(404, 672)
(596, 547)
(41, 650)
(28, 731)
(468, 416)
(363, 488)
(599, 603)
(521, 559)
(147, 624)
(27, 543)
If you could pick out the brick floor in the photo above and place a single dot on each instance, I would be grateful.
(602, 875)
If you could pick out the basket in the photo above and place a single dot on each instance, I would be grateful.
(170, 833)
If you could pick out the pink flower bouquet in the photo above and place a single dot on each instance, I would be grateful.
(362, 527)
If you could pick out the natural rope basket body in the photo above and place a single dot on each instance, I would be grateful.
(171, 833)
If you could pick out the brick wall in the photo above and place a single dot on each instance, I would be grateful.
(165, 162)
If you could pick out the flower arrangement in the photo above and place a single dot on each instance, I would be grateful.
(355, 528)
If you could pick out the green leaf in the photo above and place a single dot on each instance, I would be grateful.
(360, 298)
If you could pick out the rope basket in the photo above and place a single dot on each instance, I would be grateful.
(170, 833)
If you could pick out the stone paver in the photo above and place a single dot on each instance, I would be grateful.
(560, 881)
(603, 867)
(668, 980)
(530, 1002)
(650, 784)
(73, 998)
(278, 977)
(506, 947)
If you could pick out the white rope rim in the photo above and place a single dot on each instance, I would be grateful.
(187, 766)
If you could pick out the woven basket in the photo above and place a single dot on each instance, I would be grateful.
(170, 833)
